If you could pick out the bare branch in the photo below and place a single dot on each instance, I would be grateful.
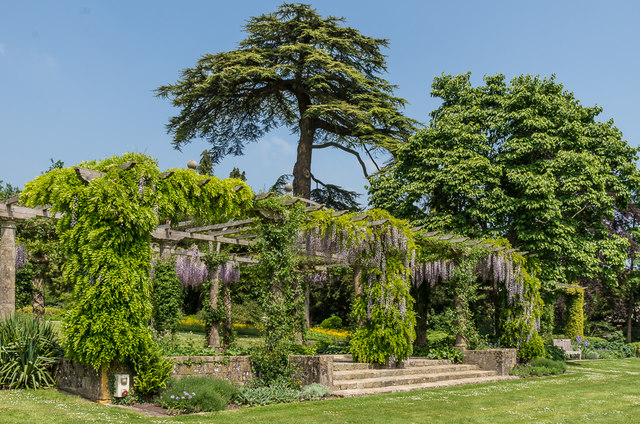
(346, 149)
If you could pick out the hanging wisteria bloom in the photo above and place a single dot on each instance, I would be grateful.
(316, 278)
(229, 273)
(190, 268)
(21, 256)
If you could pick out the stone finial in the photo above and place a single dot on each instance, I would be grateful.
(192, 164)
(288, 187)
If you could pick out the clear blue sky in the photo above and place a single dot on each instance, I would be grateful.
(77, 77)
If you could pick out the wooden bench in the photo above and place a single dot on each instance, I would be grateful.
(565, 344)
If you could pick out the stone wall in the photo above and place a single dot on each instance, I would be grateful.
(499, 360)
(231, 368)
(85, 381)
(314, 369)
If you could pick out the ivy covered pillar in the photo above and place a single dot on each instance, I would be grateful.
(575, 312)
(213, 339)
(7, 268)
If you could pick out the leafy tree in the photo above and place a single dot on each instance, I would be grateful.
(524, 161)
(7, 190)
(235, 173)
(205, 167)
(294, 69)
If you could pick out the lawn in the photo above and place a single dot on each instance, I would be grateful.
(592, 391)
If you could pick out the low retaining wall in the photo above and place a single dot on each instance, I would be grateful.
(85, 381)
(499, 360)
(232, 368)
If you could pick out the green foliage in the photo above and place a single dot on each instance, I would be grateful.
(539, 367)
(280, 291)
(294, 69)
(607, 350)
(278, 392)
(439, 352)
(271, 365)
(205, 166)
(197, 394)
(166, 297)
(636, 345)
(385, 307)
(531, 349)
(554, 353)
(439, 340)
(29, 352)
(49, 313)
(7, 190)
(152, 369)
(575, 312)
(332, 322)
(24, 286)
(314, 391)
(324, 347)
(524, 160)
(105, 230)
(250, 312)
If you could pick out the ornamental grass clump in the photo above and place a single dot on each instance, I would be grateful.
(29, 353)
(197, 394)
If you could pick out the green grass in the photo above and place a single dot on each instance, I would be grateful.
(592, 391)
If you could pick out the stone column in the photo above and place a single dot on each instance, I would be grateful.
(7, 268)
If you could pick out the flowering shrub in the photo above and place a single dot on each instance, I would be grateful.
(197, 394)
(334, 333)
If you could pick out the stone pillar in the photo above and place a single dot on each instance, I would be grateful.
(7, 268)
(165, 250)
(214, 290)
(357, 287)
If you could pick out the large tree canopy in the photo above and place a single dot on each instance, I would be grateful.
(522, 160)
(295, 69)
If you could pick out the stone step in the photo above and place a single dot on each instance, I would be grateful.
(420, 386)
(412, 362)
(342, 358)
(359, 374)
(404, 380)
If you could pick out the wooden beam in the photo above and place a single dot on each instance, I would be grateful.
(510, 250)
(360, 218)
(486, 245)
(497, 249)
(173, 235)
(262, 196)
(87, 175)
(20, 213)
(446, 237)
(219, 226)
(12, 200)
(378, 222)
(473, 242)
(291, 201)
(458, 240)
(313, 208)
(166, 174)
(127, 165)
(202, 183)
(239, 187)
(416, 229)
(432, 233)
(339, 213)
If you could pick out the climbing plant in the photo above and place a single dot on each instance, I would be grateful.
(381, 247)
(105, 230)
(575, 312)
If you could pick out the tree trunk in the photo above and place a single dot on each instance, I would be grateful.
(307, 312)
(38, 295)
(227, 326)
(214, 332)
(357, 287)
(630, 309)
(302, 168)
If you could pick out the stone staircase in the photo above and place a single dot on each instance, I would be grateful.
(358, 379)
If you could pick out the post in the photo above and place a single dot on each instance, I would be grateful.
(227, 328)
(357, 287)
(165, 250)
(214, 332)
(7, 268)
(307, 312)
